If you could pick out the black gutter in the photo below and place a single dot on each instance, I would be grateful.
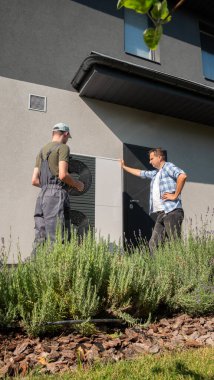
(109, 62)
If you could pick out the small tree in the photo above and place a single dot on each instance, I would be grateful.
(159, 14)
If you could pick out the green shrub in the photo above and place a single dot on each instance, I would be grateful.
(7, 291)
(83, 279)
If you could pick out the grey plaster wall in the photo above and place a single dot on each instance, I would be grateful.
(45, 41)
(98, 129)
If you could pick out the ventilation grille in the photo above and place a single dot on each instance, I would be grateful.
(37, 103)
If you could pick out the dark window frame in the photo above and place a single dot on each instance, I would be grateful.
(154, 54)
(207, 35)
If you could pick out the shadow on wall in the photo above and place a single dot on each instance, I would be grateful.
(189, 145)
(105, 6)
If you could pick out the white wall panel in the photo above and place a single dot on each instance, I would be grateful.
(108, 199)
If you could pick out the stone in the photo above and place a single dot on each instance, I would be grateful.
(202, 338)
(53, 355)
(209, 326)
(132, 335)
(63, 340)
(23, 368)
(188, 330)
(177, 324)
(169, 346)
(55, 346)
(21, 347)
(139, 347)
(210, 342)
(82, 339)
(46, 347)
(194, 335)
(71, 345)
(112, 343)
(52, 368)
(154, 349)
(19, 358)
(7, 370)
(92, 354)
(11, 346)
(68, 354)
(193, 343)
(153, 328)
(164, 322)
(202, 321)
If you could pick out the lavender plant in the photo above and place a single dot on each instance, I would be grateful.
(83, 279)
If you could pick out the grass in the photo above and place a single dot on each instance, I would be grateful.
(193, 364)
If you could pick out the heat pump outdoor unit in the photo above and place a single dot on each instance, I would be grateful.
(99, 206)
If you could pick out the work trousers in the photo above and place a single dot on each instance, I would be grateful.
(52, 210)
(167, 225)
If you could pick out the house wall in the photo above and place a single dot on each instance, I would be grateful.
(98, 129)
(45, 42)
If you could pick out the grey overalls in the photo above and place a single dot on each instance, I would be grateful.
(52, 205)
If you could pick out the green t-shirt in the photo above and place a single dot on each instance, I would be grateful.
(59, 154)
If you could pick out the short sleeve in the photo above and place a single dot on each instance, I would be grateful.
(64, 152)
(38, 160)
(148, 173)
(173, 171)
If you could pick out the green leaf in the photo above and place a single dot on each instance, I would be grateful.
(156, 11)
(164, 10)
(160, 11)
(140, 6)
(152, 37)
(168, 19)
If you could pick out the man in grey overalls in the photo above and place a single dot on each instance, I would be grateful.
(51, 175)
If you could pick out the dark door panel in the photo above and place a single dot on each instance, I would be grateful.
(137, 221)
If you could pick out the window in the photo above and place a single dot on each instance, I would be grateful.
(135, 24)
(207, 50)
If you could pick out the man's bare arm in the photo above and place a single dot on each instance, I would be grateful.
(130, 170)
(36, 177)
(66, 177)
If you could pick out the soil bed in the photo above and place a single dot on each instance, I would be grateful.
(20, 354)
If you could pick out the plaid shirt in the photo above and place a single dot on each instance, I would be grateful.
(168, 181)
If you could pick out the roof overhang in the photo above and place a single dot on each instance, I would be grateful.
(111, 80)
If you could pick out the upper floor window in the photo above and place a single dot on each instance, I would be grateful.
(207, 50)
(135, 24)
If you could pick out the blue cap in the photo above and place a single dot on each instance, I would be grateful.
(62, 127)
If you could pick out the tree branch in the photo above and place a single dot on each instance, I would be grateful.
(177, 6)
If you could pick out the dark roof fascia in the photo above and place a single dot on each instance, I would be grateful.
(95, 59)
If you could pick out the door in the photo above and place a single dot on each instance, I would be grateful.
(137, 222)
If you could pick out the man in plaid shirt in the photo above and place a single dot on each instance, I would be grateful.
(167, 182)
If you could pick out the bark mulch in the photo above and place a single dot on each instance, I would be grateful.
(20, 354)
